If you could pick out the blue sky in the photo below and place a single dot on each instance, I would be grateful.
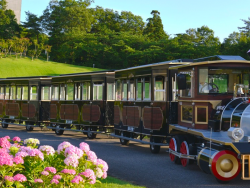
(222, 16)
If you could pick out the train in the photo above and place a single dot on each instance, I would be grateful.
(198, 108)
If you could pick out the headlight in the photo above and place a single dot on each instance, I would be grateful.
(235, 134)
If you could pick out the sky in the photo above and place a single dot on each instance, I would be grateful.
(222, 16)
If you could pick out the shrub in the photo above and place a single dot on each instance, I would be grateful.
(29, 166)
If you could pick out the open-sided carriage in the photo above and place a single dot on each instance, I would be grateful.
(20, 102)
(81, 102)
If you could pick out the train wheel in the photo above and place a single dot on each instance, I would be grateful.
(154, 148)
(29, 128)
(58, 131)
(123, 141)
(175, 144)
(225, 166)
(184, 149)
(90, 134)
(4, 124)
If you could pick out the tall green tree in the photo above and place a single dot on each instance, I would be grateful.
(154, 27)
(33, 25)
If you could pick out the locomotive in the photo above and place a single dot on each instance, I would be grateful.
(199, 108)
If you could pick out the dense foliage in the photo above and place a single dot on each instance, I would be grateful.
(72, 32)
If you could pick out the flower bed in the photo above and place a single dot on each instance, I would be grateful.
(23, 164)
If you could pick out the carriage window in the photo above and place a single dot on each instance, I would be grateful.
(77, 91)
(97, 91)
(118, 90)
(13, 92)
(86, 91)
(7, 93)
(110, 91)
(217, 80)
(131, 90)
(159, 89)
(138, 89)
(124, 90)
(70, 91)
(146, 89)
(19, 93)
(25, 93)
(45, 95)
(55, 93)
(33, 93)
(62, 92)
(1, 92)
(188, 82)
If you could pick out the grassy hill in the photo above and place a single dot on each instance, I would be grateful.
(12, 67)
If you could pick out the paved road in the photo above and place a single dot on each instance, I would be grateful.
(133, 163)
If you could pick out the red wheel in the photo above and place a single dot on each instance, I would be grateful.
(184, 150)
(225, 165)
(173, 146)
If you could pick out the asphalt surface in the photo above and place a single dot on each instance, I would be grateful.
(134, 163)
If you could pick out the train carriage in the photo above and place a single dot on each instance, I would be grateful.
(141, 110)
(82, 102)
(20, 102)
(213, 116)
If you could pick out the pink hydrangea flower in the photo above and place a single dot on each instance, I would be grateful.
(22, 154)
(38, 181)
(36, 152)
(24, 149)
(45, 173)
(77, 179)
(62, 147)
(7, 137)
(58, 177)
(20, 178)
(4, 142)
(48, 149)
(68, 171)
(8, 178)
(6, 159)
(71, 160)
(88, 173)
(16, 139)
(18, 160)
(84, 147)
(50, 169)
(92, 156)
(54, 181)
(73, 150)
(103, 164)
(104, 176)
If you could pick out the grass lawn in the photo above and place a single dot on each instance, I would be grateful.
(115, 183)
(12, 67)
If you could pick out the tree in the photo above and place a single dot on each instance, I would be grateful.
(47, 49)
(3, 18)
(33, 24)
(9, 28)
(154, 27)
(246, 28)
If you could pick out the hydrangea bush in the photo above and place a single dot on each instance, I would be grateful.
(24, 164)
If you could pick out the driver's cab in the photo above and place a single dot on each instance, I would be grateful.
(204, 88)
